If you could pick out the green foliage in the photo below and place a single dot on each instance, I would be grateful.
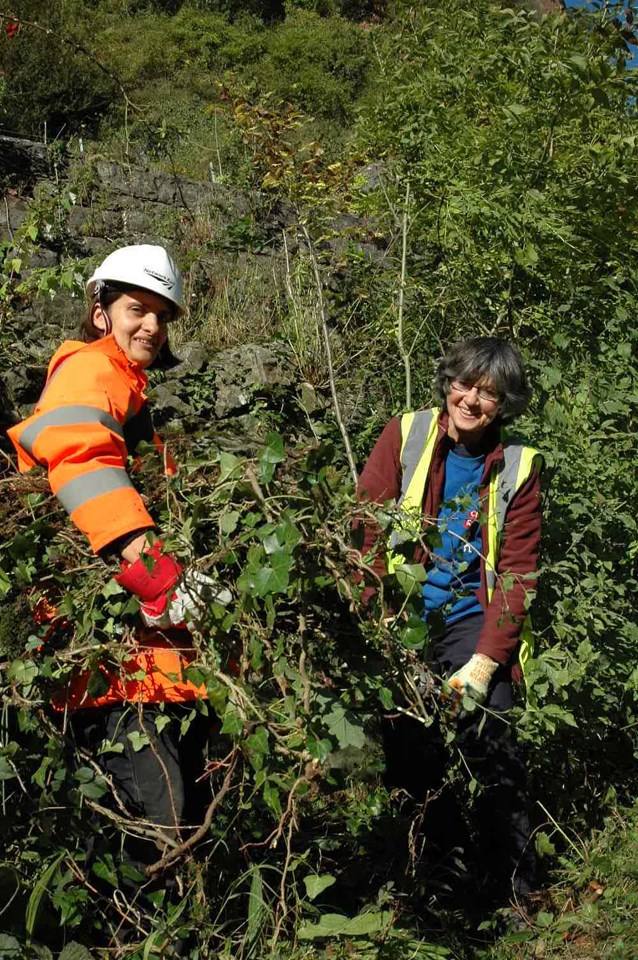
(47, 79)
(512, 155)
(319, 64)
(151, 79)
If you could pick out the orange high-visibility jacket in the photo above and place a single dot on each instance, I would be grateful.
(78, 432)
(91, 415)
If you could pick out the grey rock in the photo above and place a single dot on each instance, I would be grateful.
(42, 258)
(310, 400)
(8, 413)
(372, 176)
(192, 356)
(23, 385)
(242, 435)
(63, 312)
(78, 218)
(96, 247)
(168, 404)
(13, 211)
(23, 159)
(241, 370)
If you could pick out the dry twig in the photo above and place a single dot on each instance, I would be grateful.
(328, 348)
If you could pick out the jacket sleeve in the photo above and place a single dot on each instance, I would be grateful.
(516, 569)
(380, 481)
(77, 433)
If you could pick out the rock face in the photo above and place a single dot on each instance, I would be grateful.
(24, 160)
(109, 204)
(216, 392)
(242, 371)
(81, 208)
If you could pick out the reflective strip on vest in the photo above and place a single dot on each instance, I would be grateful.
(509, 476)
(70, 416)
(418, 437)
(88, 486)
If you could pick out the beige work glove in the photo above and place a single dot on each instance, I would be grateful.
(473, 679)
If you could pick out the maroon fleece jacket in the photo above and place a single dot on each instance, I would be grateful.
(380, 481)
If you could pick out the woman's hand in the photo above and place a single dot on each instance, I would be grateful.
(473, 679)
(169, 595)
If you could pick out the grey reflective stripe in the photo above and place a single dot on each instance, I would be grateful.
(69, 416)
(506, 482)
(80, 490)
(412, 449)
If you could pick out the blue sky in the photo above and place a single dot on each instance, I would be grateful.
(622, 5)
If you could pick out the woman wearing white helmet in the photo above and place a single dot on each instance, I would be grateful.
(145, 268)
(90, 419)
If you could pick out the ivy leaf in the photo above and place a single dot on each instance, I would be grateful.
(90, 784)
(274, 576)
(6, 770)
(10, 949)
(544, 846)
(138, 740)
(23, 671)
(336, 925)
(232, 724)
(410, 577)
(345, 732)
(270, 456)
(163, 720)
(258, 747)
(228, 466)
(415, 634)
(317, 884)
(228, 522)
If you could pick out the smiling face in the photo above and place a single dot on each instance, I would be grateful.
(469, 413)
(138, 321)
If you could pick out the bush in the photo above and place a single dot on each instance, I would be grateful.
(319, 64)
(49, 81)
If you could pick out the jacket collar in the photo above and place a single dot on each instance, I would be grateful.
(109, 347)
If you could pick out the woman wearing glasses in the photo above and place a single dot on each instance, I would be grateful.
(469, 509)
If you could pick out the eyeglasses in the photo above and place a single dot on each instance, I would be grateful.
(462, 386)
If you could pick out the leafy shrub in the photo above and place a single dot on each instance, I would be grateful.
(48, 81)
(319, 64)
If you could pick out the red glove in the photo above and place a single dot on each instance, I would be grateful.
(169, 596)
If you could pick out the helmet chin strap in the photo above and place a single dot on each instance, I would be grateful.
(108, 326)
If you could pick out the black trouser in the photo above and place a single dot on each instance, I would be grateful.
(487, 744)
(153, 772)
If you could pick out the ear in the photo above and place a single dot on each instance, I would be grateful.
(100, 319)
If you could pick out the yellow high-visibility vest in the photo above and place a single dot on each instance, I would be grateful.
(418, 439)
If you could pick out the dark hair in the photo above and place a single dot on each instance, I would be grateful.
(89, 333)
(491, 359)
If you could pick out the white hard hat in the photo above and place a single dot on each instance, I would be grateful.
(144, 267)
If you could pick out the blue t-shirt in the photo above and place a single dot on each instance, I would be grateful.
(454, 572)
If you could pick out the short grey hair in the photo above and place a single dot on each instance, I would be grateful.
(491, 359)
